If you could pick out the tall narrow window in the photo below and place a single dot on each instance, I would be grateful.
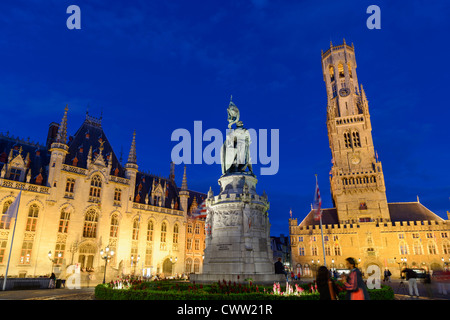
(60, 248)
(135, 229)
(350, 70)
(150, 231)
(70, 183)
(5, 222)
(95, 190)
(114, 229)
(33, 213)
(90, 224)
(341, 70)
(64, 221)
(331, 70)
(347, 140)
(117, 196)
(163, 232)
(25, 253)
(356, 140)
(175, 234)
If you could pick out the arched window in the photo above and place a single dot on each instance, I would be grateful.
(96, 188)
(331, 70)
(64, 221)
(341, 70)
(70, 183)
(188, 265)
(350, 70)
(150, 231)
(446, 247)
(356, 140)
(114, 229)
(432, 248)
(417, 247)
(196, 265)
(33, 213)
(347, 140)
(175, 233)
(90, 224)
(197, 228)
(403, 248)
(135, 235)
(163, 232)
(5, 222)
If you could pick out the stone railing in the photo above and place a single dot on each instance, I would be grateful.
(24, 186)
(148, 207)
(75, 170)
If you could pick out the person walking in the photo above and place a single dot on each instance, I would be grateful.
(411, 277)
(325, 285)
(354, 283)
(387, 275)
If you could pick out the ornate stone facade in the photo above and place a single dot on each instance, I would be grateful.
(78, 198)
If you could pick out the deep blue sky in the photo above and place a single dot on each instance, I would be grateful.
(155, 66)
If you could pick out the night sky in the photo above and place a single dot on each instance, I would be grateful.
(156, 66)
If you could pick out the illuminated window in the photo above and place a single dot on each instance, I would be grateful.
(64, 221)
(341, 70)
(25, 253)
(331, 70)
(163, 232)
(70, 183)
(175, 233)
(349, 70)
(150, 231)
(95, 190)
(33, 213)
(5, 222)
(90, 224)
(114, 228)
(135, 235)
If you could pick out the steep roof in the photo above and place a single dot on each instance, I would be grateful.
(400, 211)
(91, 134)
(38, 155)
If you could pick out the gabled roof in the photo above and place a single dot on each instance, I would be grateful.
(87, 136)
(38, 155)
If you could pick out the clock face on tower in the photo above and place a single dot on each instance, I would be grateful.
(344, 92)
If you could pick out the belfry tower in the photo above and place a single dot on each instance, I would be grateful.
(357, 182)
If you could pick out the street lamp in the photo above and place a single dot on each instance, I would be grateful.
(106, 255)
(53, 260)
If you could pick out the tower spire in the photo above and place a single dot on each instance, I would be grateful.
(184, 182)
(61, 137)
(132, 154)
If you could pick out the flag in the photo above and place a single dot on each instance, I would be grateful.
(13, 209)
(317, 203)
(200, 212)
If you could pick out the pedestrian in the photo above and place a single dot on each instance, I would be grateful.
(51, 284)
(354, 283)
(411, 277)
(440, 277)
(325, 284)
(427, 283)
(387, 275)
(279, 268)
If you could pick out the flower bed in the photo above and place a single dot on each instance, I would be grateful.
(133, 289)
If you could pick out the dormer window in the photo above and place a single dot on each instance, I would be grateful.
(14, 174)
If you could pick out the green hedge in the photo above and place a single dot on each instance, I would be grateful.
(163, 291)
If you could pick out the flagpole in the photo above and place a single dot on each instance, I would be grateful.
(12, 240)
(321, 231)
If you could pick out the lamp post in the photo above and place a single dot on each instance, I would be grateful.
(54, 259)
(106, 255)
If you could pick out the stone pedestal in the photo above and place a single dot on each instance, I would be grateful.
(237, 233)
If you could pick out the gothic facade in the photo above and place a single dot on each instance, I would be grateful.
(78, 198)
(362, 224)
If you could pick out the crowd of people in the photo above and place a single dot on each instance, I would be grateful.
(355, 286)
